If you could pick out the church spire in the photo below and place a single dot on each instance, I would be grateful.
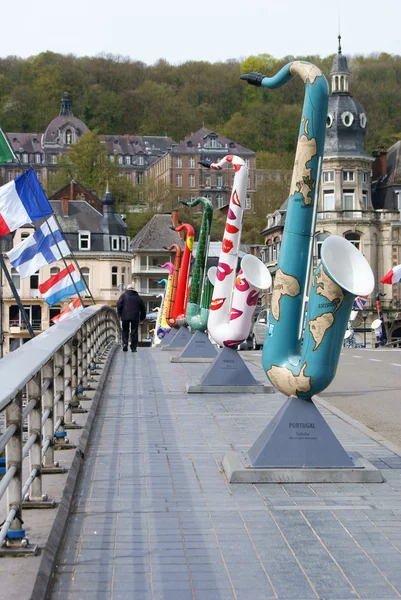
(339, 72)
(66, 105)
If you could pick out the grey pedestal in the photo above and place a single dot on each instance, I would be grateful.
(238, 470)
(167, 338)
(199, 348)
(228, 374)
(180, 339)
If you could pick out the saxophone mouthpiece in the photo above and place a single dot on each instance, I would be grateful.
(253, 78)
(185, 202)
(204, 163)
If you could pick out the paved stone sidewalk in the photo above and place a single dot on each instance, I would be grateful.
(155, 518)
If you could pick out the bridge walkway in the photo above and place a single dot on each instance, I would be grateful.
(154, 517)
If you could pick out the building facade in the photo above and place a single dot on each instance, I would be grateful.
(99, 241)
(180, 168)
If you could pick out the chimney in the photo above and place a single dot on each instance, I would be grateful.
(379, 166)
(64, 206)
(72, 189)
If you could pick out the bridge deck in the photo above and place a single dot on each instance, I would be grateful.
(155, 518)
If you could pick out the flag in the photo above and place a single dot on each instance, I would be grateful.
(392, 276)
(60, 286)
(6, 153)
(71, 309)
(22, 201)
(359, 302)
(40, 249)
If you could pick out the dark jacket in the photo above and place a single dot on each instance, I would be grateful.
(130, 306)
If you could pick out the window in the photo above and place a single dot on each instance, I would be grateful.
(120, 160)
(319, 241)
(348, 175)
(354, 238)
(178, 162)
(111, 158)
(178, 180)
(123, 273)
(53, 159)
(191, 162)
(9, 176)
(328, 201)
(24, 157)
(219, 201)
(127, 160)
(192, 180)
(365, 199)
(114, 277)
(84, 240)
(247, 202)
(15, 278)
(85, 277)
(140, 160)
(328, 176)
(365, 177)
(124, 244)
(34, 281)
(53, 312)
(347, 118)
(208, 181)
(329, 120)
(139, 178)
(54, 271)
(115, 242)
(38, 158)
(24, 235)
(348, 203)
(363, 120)
(219, 181)
(38, 175)
(128, 176)
(247, 162)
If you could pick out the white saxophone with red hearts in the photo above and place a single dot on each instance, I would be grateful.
(235, 295)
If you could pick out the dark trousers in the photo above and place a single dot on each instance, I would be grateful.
(134, 333)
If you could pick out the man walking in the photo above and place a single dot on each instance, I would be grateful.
(131, 310)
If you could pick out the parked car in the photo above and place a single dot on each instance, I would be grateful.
(259, 330)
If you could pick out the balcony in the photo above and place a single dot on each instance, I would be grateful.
(17, 326)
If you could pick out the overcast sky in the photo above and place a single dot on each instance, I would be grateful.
(181, 30)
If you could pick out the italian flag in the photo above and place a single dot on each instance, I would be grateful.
(392, 276)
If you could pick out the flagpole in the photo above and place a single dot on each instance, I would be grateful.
(74, 259)
(16, 296)
(51, 232)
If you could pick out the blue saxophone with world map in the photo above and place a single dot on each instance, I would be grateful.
(309, 314)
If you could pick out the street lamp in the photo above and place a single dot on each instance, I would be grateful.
(364, 317)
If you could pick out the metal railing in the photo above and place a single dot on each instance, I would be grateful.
(51, 371)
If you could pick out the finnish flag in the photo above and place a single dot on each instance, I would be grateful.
(41, 248)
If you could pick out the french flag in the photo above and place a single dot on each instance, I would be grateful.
(61, 286)
(392, 276)
(22, 201)
(68, 312)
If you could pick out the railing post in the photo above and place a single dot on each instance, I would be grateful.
(35, 428)
(70, 388)
(59, 397)
(85, 365)
(49, 465)
(14, 461)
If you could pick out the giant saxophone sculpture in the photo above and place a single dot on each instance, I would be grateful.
(159, 310)
(235, 296)
(174, 284)
(200, 295)
(162, 327)
(181, 297)
(300, 355)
